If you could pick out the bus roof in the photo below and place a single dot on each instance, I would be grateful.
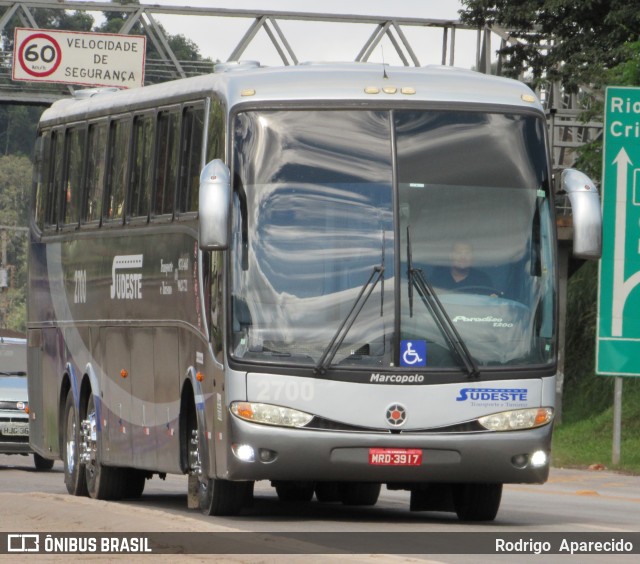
(312, 82)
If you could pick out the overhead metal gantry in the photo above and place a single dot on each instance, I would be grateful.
(260, 22)
(407, 38)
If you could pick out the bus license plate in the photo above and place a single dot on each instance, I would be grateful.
(395, 456)
(15, 429)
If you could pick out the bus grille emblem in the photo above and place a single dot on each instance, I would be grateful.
(396, 415)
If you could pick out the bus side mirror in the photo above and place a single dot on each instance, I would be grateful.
(214, 202)
(586, 211)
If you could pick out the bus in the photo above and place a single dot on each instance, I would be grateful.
(237, 277)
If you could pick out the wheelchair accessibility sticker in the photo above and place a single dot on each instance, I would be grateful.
(413, 353)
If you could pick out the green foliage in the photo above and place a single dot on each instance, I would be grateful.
(585, 436)
(626, 73)
(588, 37)
(49, 19)
(584, 393)
(15, 187)
(18, 129)
(589, 440)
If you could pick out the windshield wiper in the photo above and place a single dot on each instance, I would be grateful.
(439, 313)
(13, 373)
(367, 289)
(340, 334)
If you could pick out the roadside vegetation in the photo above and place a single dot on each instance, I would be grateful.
(585, 436)
(595, 44)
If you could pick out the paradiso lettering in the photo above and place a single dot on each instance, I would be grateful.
(126, 286)
(492, 394)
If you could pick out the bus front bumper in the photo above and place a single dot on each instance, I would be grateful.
(261, 452)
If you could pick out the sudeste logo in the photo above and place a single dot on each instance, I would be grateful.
(492, 394)
(126, 286)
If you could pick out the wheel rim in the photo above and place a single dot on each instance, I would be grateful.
(90, 465)
(71, 442)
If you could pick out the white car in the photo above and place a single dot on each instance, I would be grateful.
(14, 401)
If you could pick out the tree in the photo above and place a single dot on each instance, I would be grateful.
(573, 41)
(15, 188)
(184, 49)
(18, 129)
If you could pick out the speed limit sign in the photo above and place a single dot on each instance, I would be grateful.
(40, 55)
(77, 57)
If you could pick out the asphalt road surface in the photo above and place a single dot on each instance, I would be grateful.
(572, 502)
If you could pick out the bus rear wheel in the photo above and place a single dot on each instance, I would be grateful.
(135, 481)
(42, 463)
(477, 502)
(360, 493)
(103, 482)
(294, 491)
(74, 475)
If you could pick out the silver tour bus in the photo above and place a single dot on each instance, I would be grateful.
(330, 277)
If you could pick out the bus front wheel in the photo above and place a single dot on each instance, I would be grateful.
(222, 497)
(477, 502)
(215, 496)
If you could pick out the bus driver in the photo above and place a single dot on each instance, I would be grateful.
(460, 274)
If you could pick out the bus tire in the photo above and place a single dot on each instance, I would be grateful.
(222, 497)
(135, 481)
(103, 482)
(299, 492)
(477, 502)
(74, 474)
(328, 492)
(41, 463)
(360, 493)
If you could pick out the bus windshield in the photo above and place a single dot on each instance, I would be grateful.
(325, 198)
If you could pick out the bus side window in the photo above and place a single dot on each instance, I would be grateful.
(119, 138)
(54, 181)
(43, 165)
(75, 145)
(191, 161)
(167, 154)
(96, 169)
(141, 166)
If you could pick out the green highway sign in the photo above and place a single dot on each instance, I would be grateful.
(618, 327)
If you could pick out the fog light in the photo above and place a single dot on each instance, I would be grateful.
(267, 455)
(539, 458)
(520, 461)
(244, 452)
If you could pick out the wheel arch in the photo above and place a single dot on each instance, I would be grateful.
(187, 418)
(192, 415)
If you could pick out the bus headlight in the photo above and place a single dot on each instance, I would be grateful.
(270, 414)
(517, 419)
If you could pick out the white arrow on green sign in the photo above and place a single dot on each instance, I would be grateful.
(618, 327)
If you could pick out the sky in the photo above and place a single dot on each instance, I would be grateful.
(313, 41)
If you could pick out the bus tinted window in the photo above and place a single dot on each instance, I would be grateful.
(54, 180)
(43, 164)
(96, 167)
(192, 131)
(142, 165)
(73, 187)
(167, 145)
(118, 156)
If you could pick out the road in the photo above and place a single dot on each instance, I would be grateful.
(572, 501)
